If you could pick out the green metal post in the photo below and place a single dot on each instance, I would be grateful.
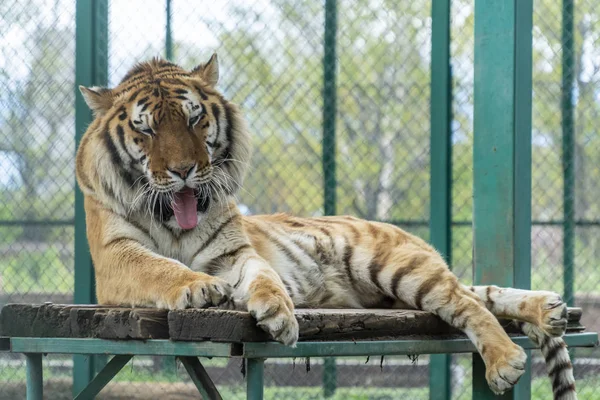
(568, 147)
(255, 373)
(91, 68)
(201, 379)
(441, 170)
(329, 107)
(169, 33)
(35, 376)
(329, 148)
(502, 156)
(105, 375)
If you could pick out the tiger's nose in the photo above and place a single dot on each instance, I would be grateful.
(182, 170)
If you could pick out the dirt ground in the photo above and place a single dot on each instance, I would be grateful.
(61, 390)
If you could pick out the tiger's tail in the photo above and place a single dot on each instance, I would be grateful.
(558, 362)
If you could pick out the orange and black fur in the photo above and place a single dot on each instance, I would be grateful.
(159, 167)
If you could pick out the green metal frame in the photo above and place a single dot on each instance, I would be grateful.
(502, 156)
(200, 377)
(103, 377)
(169, 32)
(254, 353)
(35, 376)
(568, 149)
(255, 375)
(329, 148)
(511, 63)
(91, 68)
(440, 190)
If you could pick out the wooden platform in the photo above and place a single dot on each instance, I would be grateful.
(94, 321)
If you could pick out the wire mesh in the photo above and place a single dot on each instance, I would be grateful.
(37, 76)
(271, 54)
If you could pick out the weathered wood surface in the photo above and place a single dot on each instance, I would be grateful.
(93, 321)
(314, 324)
(83, 321)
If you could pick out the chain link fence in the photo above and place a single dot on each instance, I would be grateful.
(271, 54)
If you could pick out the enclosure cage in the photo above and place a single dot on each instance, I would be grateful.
(338, 96)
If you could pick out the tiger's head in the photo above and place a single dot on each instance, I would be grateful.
(163, 140)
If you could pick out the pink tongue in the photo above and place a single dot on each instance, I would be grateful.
(184, 206)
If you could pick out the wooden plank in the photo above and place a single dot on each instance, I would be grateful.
(93, 321)
(322, 325)
(314, 324)
(83, 321)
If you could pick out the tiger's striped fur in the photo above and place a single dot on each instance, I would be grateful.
(163, 133)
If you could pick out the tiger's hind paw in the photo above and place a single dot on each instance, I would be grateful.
(276, 317)
(506, 370)
(554, 316)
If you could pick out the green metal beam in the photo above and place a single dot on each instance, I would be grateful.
(440, 190)
(154, 347)
(329, 107)
(105, 375)
(200, 377)
(255, 375)
(162, 347)
(502, 156)
(398, 222)
(329, 148)
(568, 149)
(391, 347)
(169, 32)
(91, 68)
(35, 377)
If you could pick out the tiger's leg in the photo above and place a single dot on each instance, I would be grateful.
(543, 317)
(545, 310)
(421, 279)
(258, 289)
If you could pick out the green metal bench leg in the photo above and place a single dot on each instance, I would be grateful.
(200, 377)
(255, 378)
(108, 372)
(35, 377)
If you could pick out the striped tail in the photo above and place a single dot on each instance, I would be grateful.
(558, 363)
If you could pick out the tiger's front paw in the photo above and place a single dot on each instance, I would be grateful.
(274, 313)
(200, 291)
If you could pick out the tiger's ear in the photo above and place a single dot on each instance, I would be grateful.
(209, 72)
(98, 99)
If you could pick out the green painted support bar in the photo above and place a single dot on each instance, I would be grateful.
(329, 376)
(35, 376)
(502, 155)
(329, 107)
(391, 347)
(441, 170)
(163, 347)
(329, 148)
(568, 149)
(522, 195)
(103, 377)
(169, 32)
(154, 347)
(91, 68)
(200, 377)
(255, 373)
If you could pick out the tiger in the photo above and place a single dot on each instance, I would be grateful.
(160, 166)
